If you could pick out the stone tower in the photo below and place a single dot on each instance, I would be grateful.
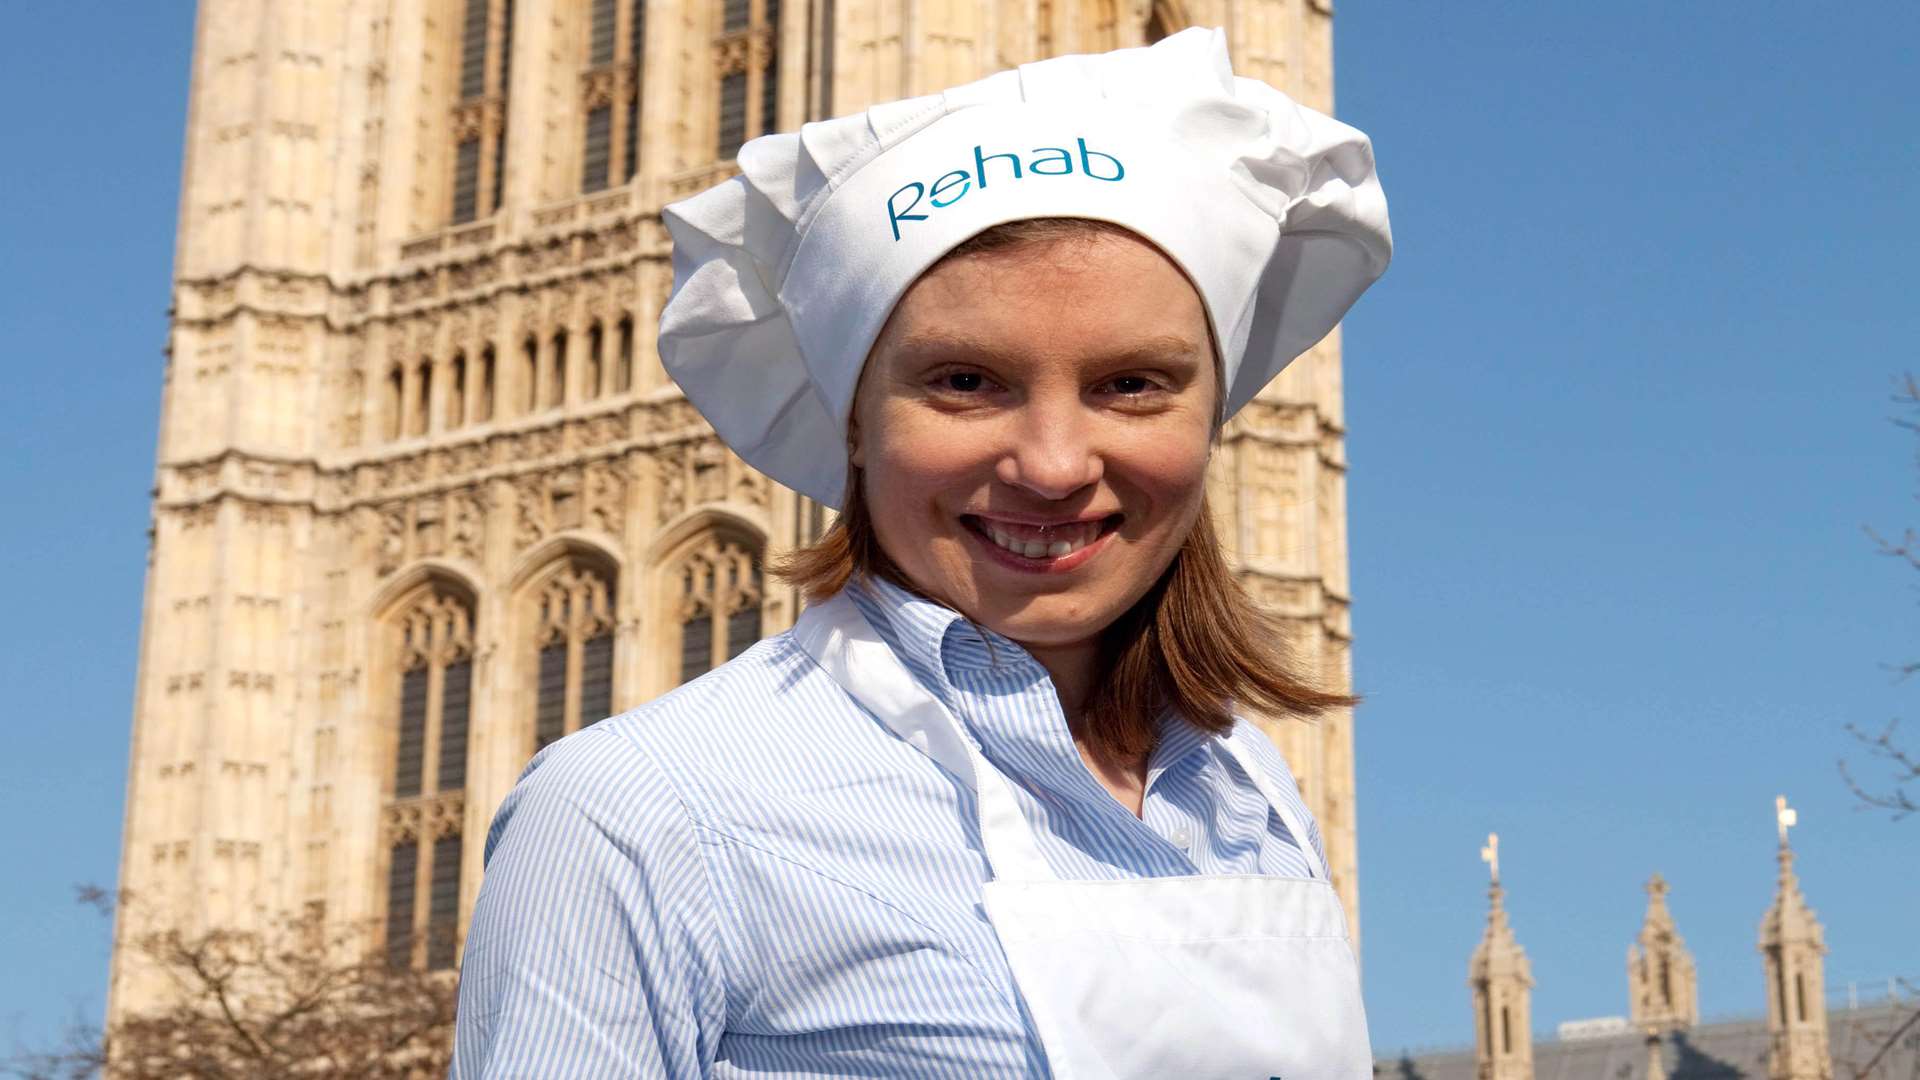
(424, 498)
(1661, 988)
(1502, 983)
(1794, 946)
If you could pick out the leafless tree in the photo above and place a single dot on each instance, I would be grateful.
(1894, 793)
(302, 998)
(1878, 1033)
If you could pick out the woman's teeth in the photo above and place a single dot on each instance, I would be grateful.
(1059, 539)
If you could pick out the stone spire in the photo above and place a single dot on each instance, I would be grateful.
(1502, 983)
(1793, 945)
(1661, 988)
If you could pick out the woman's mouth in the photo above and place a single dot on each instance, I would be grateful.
(1056, 547)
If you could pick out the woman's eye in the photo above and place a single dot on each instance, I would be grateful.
(966, 382)
(1131, 385)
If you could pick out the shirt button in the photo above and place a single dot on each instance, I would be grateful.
(1182, 837)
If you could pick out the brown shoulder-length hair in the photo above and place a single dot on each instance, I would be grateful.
(1195, 643)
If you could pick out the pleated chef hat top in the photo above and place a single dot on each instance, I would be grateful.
(784, 275)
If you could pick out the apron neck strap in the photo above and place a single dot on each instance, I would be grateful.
(1296, 825)
(852, 653)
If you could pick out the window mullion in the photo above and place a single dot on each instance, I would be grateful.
(499, 39)
(756, 69)
(574, 657)
(430, 744)
(767, 97)
(422, 902)
(490, 115)
(617, 108)
(489, 168)
(765, 16)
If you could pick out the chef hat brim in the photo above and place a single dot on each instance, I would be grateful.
(785, 274)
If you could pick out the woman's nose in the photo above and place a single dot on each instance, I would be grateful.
(1052, 452)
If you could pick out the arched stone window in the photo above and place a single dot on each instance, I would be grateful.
(457, 392)
(557, 385)
(610, 88)
(573, 645)
(422, 397)
(483, 402)
(596, 353)
(396, 401)
(480, 111)
(748, 58)
(530, 373)
(422, 823)
(623, 358)
(718, 607)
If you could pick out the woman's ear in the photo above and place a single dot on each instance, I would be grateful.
(855, 456)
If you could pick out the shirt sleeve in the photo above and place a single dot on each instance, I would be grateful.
(592, 950)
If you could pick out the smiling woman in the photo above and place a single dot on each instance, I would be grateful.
(988, 809)
(1047, 395)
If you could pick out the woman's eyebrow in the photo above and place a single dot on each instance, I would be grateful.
(946, 345)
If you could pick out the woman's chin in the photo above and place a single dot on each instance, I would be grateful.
(1044, 622)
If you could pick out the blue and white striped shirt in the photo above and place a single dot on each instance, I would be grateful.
(753, 877)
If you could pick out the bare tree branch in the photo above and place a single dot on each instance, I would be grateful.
(1889, 1037)
(1905, 770)
(298, 998)
(1903, 767)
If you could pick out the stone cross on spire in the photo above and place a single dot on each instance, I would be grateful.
(1793, 945)
(1661, 988)
(1502, 983)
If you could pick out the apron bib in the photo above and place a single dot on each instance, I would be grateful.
(1222, 977)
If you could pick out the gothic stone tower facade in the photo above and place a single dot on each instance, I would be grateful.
(425, 500)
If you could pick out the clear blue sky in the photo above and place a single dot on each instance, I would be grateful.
(1618, 414)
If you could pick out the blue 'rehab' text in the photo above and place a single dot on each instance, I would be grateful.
(951, 187)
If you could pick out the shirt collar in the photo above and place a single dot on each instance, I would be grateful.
(930, 637)
(934, 642)
(1179, 741)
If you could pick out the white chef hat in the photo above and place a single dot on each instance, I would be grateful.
(785, 274)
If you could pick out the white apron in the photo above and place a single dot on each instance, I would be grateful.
(1234, 977)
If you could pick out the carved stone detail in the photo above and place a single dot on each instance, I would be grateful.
(606, 498)
(466, 525)
(576, 603)
(530, 512)
(392, 543)
(436, 630)
(424, 820)
(670, 466)
(597, 88)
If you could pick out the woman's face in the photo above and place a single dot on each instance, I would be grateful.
(1033, 429)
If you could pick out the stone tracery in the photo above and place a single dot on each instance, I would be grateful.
(434, 650)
